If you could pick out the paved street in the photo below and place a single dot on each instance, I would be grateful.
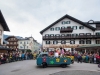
(29, 67)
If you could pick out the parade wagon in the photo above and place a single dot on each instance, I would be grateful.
(45, 60)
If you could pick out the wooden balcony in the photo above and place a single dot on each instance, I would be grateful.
(12, 44)
(71, 37)
(12, 40)
(64, 30)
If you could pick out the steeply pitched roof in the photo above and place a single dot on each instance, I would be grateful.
(71, 18)
(3, 22)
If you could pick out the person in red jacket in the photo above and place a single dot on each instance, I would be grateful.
(97, 58)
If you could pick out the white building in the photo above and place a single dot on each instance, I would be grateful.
(25, 44)
(36, 46)
(69, 31)
(28, 43)
(3, 27)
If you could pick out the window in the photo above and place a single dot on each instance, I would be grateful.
(74, 27)
(14, 38)
(24, 42)
(98, 33)
(81, 27)
(72, 41)
(68, 35)
(68, 26)
(62, 34)
(27, 42)
(15, 42)
(81, 41)
(55, 42)
(88, 33)
(88, 41)
(97, 41)
(51, 34)
(44, 55)
(73, 35)
(63, 42)
(21, 47)
(27, 47)
(46, 34)
(65, 22)
(81, 33)
(57, 35)
(76, 34)
(47, 42)
(63, 27)
(52, 29)
(10, 42)
(57, 28)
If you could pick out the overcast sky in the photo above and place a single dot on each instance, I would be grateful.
(29, 17)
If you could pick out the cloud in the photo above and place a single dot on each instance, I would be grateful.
(30, 26)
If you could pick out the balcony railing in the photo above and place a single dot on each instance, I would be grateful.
(71, 37)
(12, 44)
(68, 29)
(12, 40)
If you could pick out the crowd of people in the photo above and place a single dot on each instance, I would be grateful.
(59, 52)
(78, 56)
(16, 56)
(87, 57)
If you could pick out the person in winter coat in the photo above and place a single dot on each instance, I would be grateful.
(79, 57)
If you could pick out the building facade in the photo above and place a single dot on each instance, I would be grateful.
(12, 42)
(3, 27)
(26, 44)
(36, 46)
(69, 32)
